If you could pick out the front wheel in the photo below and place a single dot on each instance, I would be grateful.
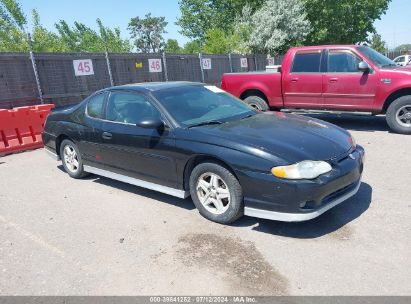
(71, 158)
(398, 115)
(216, 193)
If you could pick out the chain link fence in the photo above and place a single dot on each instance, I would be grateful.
(66, 78)
(56, 80)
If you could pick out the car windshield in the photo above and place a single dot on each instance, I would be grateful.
(194, 105)
(377, 58)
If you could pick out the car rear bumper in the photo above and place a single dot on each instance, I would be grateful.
(266, 196)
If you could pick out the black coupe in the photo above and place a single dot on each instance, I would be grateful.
(185, 139)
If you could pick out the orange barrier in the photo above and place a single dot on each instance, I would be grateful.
(20, 128)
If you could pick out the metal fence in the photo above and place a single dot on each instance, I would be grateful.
(56, 80)
(394, 54)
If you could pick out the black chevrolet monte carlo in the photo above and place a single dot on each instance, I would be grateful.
(184, 139)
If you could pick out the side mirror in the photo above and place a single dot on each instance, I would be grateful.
(150, 123)
(363, 66)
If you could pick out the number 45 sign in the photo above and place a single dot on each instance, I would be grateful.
(83, 67)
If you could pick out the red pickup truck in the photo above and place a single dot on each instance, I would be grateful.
(332, 78)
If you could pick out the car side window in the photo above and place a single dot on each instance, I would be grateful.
(95, 105)
(306, 62)
(400, 59)
(342, 62)
(130, 108)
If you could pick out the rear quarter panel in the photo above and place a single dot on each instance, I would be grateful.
(268, 83)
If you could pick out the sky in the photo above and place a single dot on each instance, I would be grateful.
(394, 26)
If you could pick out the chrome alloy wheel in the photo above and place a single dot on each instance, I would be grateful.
(403, 116)
(213, 193)
(71, 158)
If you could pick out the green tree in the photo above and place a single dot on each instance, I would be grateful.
(199, 16)
(172, 47)
(377, 43)
(192, 47)
(243, 28)
(148, 33)
(112, 38)
(13, 27)
(44, 40)
(14, 34)
(278, 25)
(12, 12)
(342, 21)
(217, 42)
(236, 40)
(81, 38)
(403, 47)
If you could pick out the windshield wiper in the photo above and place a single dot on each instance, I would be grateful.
(247, 116)
(207, 122)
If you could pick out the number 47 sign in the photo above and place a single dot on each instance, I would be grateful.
(83, 67)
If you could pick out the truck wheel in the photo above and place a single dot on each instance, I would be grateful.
(257, 103)
(216, 193)
(398, 115)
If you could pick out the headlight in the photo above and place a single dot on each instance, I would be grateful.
(307, 169)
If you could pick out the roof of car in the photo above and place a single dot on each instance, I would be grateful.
(155, 86)
(325, 46)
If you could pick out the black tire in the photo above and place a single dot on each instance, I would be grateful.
(394, 110)
(79, 171)
(257, 103)
(235, 207)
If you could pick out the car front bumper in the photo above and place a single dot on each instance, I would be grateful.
(266, 196)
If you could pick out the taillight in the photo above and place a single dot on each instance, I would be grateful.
(352, 142)
(222, 84)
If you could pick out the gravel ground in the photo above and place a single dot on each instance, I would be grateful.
(96, 236)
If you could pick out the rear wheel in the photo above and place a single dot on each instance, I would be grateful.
(216, 193)
(71, 158)
(398, 115)
(257, 103)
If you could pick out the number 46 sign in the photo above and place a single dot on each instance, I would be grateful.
(154, 66)
(83, 67)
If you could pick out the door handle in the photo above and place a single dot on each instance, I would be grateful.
(294, 79)
(333, 80)
(107, 135)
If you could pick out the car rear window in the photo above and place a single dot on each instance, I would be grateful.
(306, 63)
(95, 106)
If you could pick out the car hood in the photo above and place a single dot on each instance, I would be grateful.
(398, 69)
(290, 137)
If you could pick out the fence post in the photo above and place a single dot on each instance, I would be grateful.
(33, 63)
(107, 59)
(231, 62)
(109, 69)
(200, 57)
(165, 66)
(255, 62)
